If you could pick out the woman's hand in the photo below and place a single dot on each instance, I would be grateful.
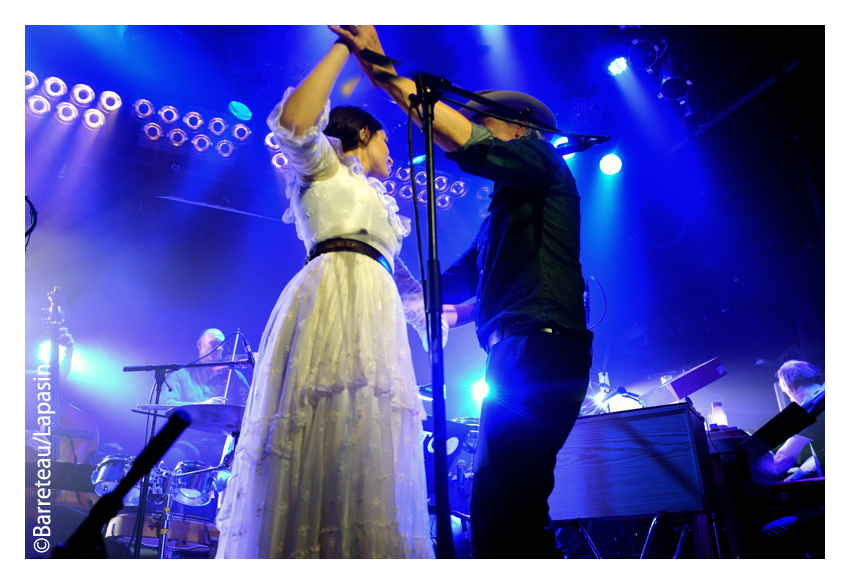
(365, 38)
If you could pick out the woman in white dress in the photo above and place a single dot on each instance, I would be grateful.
(329, 463)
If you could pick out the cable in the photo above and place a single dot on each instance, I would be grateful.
(604, 299)
(33, 221)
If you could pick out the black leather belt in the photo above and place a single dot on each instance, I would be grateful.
(511, 330)
(340, 244)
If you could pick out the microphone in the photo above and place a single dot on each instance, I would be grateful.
(461, 471)
(247, 349)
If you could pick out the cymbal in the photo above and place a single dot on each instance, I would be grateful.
(213, 418)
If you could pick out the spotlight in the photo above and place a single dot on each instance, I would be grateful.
(109, 101)
(674, 85)
(483, 212)
(422, 197)
(217, 126)
(201, 143)
(696, 114)
(403, 174)
(483, 194)
(168, 114)
(390, 186)
(66, 112)
(441, 183)
(152, 131)
(279, 161)
(443, 202)
(617, 66)
(177, 137)
(54, 88)
(143, 109)
(193, 120)
(271, 142)
(30, 81)
(82, 95)
(225, 148)
(240, 110)
(644, 54)
(458, 189)
(38, 106)
(480, 390)
(421, 178)
(406, 192)
(240, 132)
(93, 119)
(44, 352)
(560, 141)
(610, 164)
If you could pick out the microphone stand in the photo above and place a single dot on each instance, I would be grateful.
(427, 97)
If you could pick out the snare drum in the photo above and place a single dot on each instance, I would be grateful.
(195, 489)
(109, 473)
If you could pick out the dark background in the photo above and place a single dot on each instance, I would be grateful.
(707, 244)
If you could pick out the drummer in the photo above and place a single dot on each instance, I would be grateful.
(204, 385)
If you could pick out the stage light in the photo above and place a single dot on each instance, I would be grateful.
(483, 194)
(168, 114)
(109, 101)
(44, 352)
(443, 202)
(643, 54)
(406, 193)
(82, 95)
(419, 159)
(143, 109)
(279, 162)
(422, 197)
(177, 137)
(271, 142)
(30, 81)
(390, 187)
(217, 126)
(617, 66)
(403, 174)
(610, 164)
(224, 148)
(560, 141)
(201, 143)
(38, 106)
(54, 88)
(696, 114)
(66, 112)
(480, 390)
(152, 131)
(93, 119)
(193, 120)
(441, 183)
(674, 85)
(421, 178)
(240, 110)
(240, 132)
(459, 188)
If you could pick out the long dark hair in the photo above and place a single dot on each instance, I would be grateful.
(345, 123)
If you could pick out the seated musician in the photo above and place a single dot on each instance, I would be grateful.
(204, 385)
(799, 534)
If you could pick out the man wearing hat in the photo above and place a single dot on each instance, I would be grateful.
(524, 270)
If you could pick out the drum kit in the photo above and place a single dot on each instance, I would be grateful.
(178, 514)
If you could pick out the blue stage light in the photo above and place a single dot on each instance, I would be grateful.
(44, 352)
(617, 66)
(610, 164)
(560, 141)
(480, 390)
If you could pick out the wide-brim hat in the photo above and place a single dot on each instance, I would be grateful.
(514, 100)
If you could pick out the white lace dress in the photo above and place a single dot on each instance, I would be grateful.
(329, 462)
